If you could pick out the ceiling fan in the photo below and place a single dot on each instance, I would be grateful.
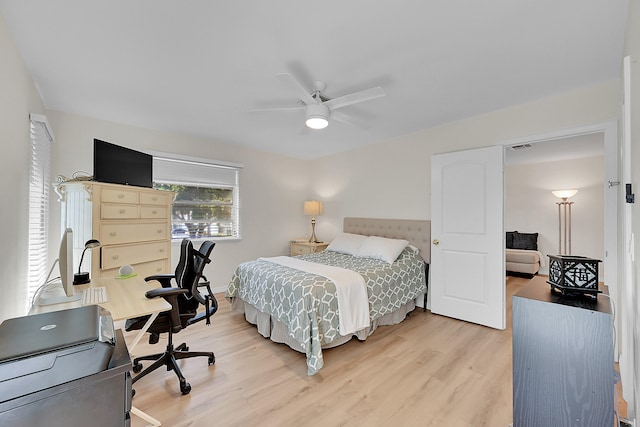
(319, 108)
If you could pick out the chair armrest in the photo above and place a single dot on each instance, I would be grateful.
(165, 292)
(164, 279)
(171, 296)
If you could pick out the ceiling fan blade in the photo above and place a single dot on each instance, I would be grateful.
(294, 84)
(285, 109)
(341, 117)
(305, 130)
(354, 98)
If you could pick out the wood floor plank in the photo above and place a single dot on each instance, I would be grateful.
(429, 370)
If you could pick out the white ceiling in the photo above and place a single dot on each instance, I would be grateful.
(198, 66)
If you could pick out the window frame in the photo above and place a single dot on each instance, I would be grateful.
(218, 168)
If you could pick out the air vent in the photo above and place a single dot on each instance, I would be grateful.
(520, 147)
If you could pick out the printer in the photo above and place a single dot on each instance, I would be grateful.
(43, 350)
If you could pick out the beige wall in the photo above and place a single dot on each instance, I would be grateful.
(531, 208)
(392, 179)
(272, 188)
(18, 98)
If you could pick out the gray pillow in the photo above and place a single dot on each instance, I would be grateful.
(527, 241)
(509, 239)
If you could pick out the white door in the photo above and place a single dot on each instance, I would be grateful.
(467, 231)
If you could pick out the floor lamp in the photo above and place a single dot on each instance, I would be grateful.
(564, 220)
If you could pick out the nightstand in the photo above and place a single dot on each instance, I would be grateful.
(297, 247)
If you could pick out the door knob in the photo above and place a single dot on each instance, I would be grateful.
(436, 241)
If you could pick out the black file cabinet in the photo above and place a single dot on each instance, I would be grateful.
(102, 399)
(563, 363)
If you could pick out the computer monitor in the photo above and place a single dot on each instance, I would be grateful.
(65, 265)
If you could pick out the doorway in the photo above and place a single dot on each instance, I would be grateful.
(533, 171)
(560, 148)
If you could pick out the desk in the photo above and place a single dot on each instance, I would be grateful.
(126, 300)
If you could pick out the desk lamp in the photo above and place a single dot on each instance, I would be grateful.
(81, 278)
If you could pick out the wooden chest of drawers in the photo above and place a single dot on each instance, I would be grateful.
(133, 225)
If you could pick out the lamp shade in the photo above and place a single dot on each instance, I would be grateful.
(564, 194)
(80, 278)
(312, 208)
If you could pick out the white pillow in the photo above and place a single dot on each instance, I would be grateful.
(347, 243)
(382, 248)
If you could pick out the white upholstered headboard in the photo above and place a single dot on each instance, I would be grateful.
(417, 232)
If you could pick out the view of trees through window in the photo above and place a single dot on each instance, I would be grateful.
(199, 211)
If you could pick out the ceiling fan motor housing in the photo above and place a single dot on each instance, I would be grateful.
(317, 116)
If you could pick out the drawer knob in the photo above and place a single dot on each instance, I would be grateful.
(155, 198)
(122, 211)
(154, 212)
(162, 250)
(120, 196)
(159, 230)
(115, 257)
(113, 234)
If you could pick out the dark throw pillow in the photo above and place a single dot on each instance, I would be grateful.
(527, 241)
(509, 239)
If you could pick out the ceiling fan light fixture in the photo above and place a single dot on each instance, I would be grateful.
(317, 122)
(317, 116)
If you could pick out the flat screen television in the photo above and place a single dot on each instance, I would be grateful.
(120, 165)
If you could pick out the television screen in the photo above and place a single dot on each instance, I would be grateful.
(120, 165)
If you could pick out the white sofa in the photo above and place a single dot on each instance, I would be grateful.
(523, 261)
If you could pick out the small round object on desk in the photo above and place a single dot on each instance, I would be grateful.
(126, 270)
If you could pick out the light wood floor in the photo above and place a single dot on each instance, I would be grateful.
(429, 371)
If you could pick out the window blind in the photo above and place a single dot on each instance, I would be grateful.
(193, 172)
(41, 139)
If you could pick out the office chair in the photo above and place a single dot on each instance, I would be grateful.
(185, 300)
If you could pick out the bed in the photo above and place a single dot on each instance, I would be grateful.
(298, 307)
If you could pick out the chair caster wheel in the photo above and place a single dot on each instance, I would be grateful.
(185, 387)
(212, 359)
(137, 368)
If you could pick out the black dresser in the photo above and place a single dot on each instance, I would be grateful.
(563, 361)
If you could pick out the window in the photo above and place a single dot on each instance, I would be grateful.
(39, 183)
(207, 195)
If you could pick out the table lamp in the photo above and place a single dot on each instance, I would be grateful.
(81, 278)
(313, 208)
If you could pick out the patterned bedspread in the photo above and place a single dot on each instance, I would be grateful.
(307, 303)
